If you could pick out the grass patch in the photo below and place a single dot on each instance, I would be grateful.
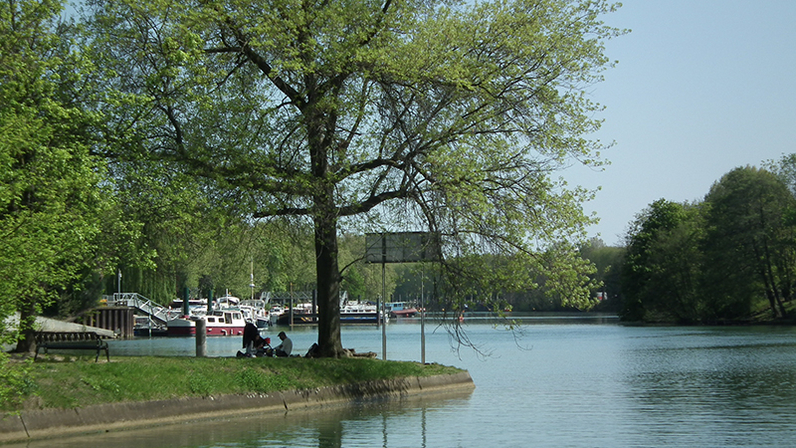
(82, 382)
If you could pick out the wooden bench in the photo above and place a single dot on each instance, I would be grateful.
(64, 340)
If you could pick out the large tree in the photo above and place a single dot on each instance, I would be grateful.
(657, 273)
(750, 241)
(50, 199)
(446, 115)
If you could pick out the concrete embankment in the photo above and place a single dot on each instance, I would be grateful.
(48, 423)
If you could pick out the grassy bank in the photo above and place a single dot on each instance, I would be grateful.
(79, 381)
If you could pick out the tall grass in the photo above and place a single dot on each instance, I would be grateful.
(80, 381)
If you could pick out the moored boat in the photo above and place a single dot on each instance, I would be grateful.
(257, 311)
(303, 313)
(218, 323)
(146, 326)
(401, 309)
(359, 313)
(350, 313)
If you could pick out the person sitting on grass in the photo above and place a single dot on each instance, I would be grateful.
(251, 340)
(263, 347)
(283, 350)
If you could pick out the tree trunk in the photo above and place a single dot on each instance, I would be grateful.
(328, 274)
(26, 342)
(770, 295)
(764, 271)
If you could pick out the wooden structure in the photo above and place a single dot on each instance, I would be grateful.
(119, 319)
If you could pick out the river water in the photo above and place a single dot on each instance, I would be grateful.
(564, 382)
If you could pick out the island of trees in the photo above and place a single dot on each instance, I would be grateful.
(174, 144)
(154, 146)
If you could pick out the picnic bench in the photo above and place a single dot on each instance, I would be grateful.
(66, 340)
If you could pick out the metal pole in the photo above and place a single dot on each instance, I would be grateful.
(251, 283)
(422, 319)
(383, 315)
(186, 294)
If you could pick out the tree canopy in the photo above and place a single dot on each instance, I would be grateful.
(660, 271)
(50, 193)
(750, 244)
(448, 116)
(726, 258)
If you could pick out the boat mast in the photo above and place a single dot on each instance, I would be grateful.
(251, 284)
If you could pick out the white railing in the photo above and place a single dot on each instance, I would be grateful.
(158, 312)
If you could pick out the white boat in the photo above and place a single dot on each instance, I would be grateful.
(146, 326)
(195, 306)
(226, 302)
(350, 313)
(218, 323)
(353, 312)
(257, 311)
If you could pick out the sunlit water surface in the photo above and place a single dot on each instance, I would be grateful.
(550, 383)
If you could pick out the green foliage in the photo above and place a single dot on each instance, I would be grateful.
(363, 281)
(660, 272)
(715, 261)
(52, 199)
(383, 116)
(785, 170)
(15, 382)
(274, 253)
(608, 262)
(750, 246)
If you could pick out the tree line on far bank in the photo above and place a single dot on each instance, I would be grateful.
(729, 258)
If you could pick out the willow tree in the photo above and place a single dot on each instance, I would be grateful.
(447, 115)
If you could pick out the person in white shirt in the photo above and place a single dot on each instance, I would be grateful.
(283, 350)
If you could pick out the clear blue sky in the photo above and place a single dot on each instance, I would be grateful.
(702, 87)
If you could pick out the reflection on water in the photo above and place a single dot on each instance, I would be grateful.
(564, 383)
(373, 423)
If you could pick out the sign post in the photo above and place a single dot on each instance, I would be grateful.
(402, 247)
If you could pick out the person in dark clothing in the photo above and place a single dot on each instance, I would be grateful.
(251, 339)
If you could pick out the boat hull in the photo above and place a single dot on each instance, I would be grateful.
(181, 327)
(210, 331)
(359, 318)
(401, 309)
(411, 312)
(220, 323)
(143, 332)
(312, 319)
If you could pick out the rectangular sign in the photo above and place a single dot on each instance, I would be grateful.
(403, 247)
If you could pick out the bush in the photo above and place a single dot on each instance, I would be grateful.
(15, 382)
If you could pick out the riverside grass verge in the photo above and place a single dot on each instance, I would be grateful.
(68, 382)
